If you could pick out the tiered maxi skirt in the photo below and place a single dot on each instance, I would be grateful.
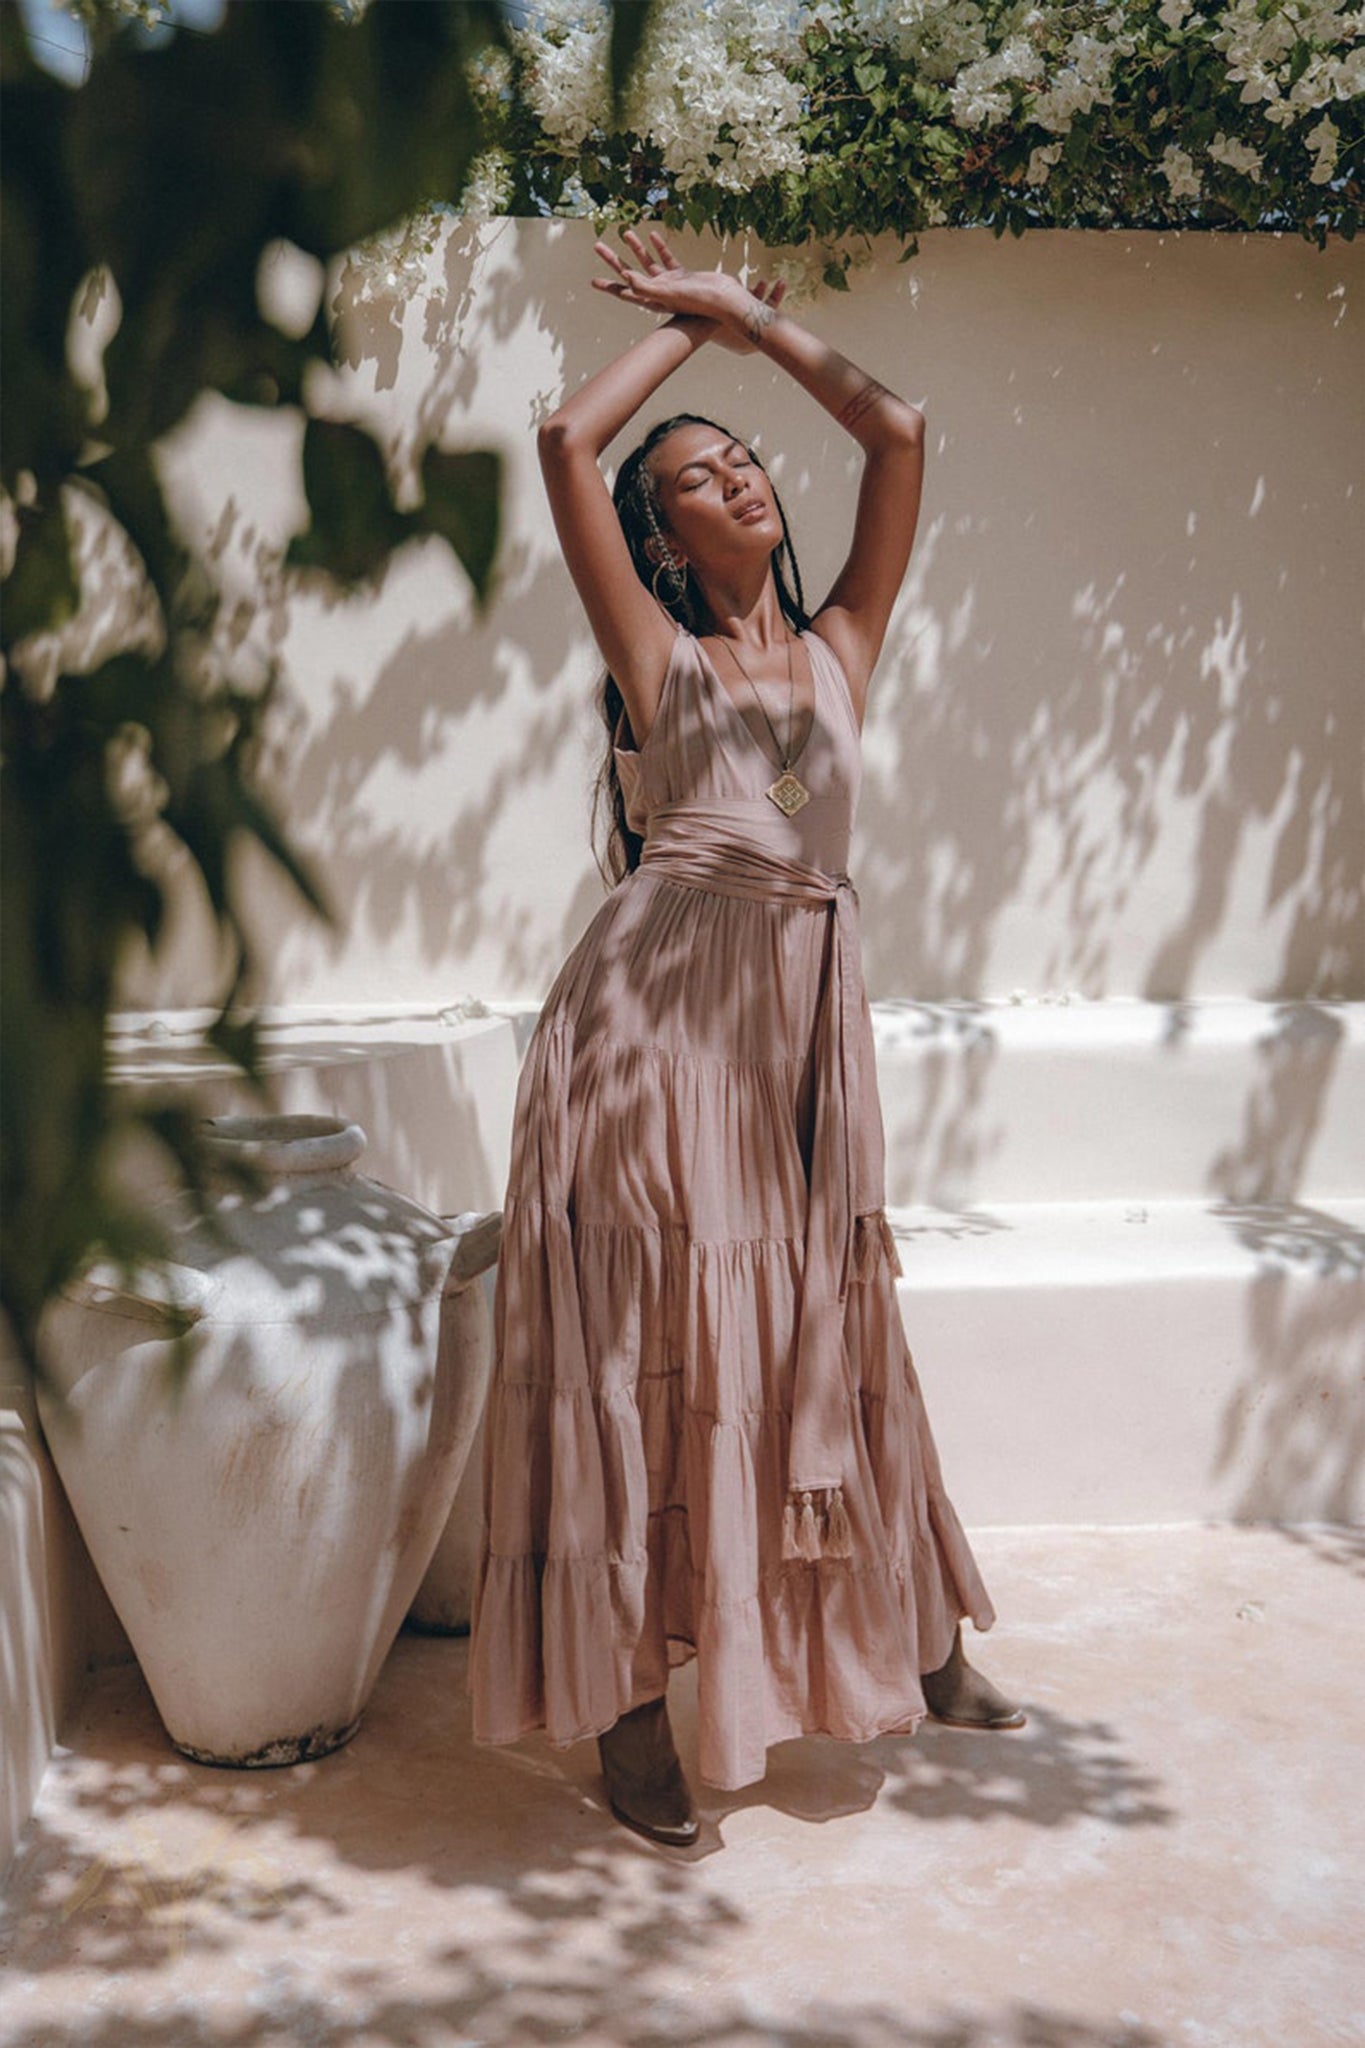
(635, 1456)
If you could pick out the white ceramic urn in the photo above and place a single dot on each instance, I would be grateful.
(262, 1526)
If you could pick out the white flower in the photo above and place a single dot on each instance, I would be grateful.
(1238, 156)
(1040, 164)
(980, 93)
(713, 96)
(1178, 168)
(490, 76)
(1083, 82)
(800, 274)
(393, 263)
(488, 188)
(937, 36)
(1173, 13)
(575, 202)
(711, 92)
(1324, 139)
(566, 71)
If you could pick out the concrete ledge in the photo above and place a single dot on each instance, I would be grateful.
(1099, 1101)
(432, 1090)
(1141, 1362)
(982, 1102)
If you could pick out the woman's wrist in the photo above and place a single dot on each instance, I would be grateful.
(698, 327)
(749, 316)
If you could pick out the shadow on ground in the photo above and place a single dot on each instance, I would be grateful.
(540, 1920)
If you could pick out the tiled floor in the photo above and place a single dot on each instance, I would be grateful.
(1170, 1855)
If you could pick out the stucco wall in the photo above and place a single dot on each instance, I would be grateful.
(1115, 740)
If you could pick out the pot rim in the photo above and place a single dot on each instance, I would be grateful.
(289, 1143)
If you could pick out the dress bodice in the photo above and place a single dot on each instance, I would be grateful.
(701, 750)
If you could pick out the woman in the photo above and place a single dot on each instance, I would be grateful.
(705, 1432)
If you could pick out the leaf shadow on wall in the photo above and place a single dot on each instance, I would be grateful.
(1106, 739)
(1093, 758)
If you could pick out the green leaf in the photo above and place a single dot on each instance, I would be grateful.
(462, 496)
(43, 257)
(128, 483)
(354, 524)
(251, 813)
(42, 590)
(237, 1037)
(833, 276)
(630, 21)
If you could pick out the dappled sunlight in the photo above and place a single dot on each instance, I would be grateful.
(1054, 1773)
(1294, 1430)
(413, 1887)
(493, 1884)
(1036, 798)
(947, 1141)
(1107, 748)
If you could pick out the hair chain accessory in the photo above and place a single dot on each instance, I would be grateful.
(789, 792)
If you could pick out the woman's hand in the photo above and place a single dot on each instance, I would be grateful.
(661, 284)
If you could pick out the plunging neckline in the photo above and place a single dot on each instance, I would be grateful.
(778, 767)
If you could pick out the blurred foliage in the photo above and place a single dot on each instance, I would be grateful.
(169, 171)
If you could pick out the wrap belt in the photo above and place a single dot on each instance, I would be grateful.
(703, 846)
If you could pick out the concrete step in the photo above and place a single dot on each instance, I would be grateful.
(981, 1102)
(1130, 1362)
(1168, 1327)
(1108, 1101)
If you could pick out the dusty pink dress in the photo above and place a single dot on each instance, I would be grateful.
(698, 1099)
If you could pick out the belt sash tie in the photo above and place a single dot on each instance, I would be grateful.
(726, 862)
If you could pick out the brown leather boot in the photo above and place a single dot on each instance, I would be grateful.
(645, 1784)
(964, 1697)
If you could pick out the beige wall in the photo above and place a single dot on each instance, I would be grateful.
(1115, 742)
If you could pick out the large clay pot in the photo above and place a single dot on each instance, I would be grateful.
(262, 1527)
(444, 1602)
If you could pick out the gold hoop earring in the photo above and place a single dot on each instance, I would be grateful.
(669, 567)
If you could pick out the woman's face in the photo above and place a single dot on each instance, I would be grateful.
(716, 500)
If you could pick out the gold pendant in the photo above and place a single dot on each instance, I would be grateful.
(789, 793)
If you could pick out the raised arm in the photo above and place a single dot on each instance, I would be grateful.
(632, 629)
(634, 632)
(854, 616)
(890, 432)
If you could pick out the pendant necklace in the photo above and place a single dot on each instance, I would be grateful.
(789, 793)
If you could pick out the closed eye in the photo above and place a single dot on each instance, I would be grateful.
(695, 483)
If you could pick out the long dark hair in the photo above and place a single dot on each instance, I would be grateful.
(636, 498)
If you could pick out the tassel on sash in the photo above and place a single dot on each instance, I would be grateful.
(815, 1525)
(703, 847)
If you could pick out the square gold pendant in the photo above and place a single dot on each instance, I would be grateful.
(789, 793)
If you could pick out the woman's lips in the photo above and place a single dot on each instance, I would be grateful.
(755, 511)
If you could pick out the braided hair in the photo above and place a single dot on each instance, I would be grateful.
(636, 498)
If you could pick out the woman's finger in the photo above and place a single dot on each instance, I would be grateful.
(666, 256)
(637, 249)
(610, 256)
